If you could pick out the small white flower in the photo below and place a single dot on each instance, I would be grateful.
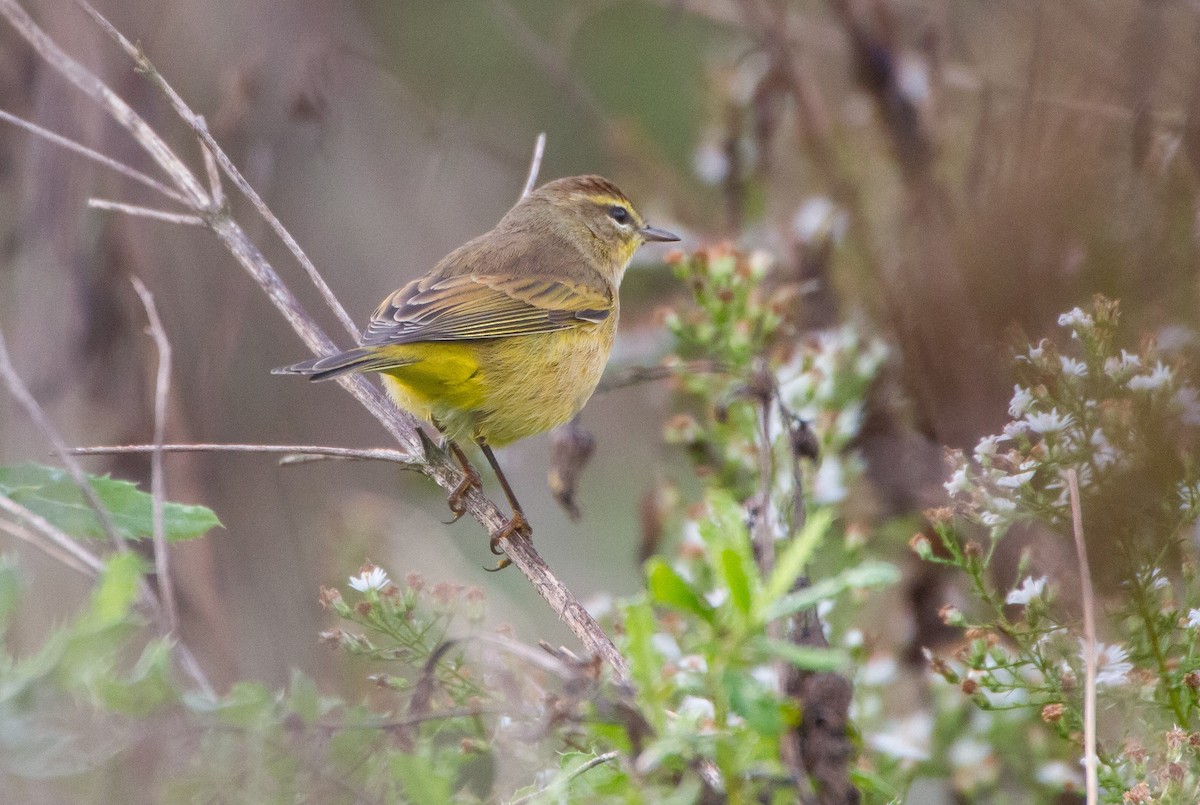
(1193, 619)
(1157, 379)
(879, 670)
(1076, 319)
(1049, 422)
(709, 163)
(693, 663)
(907, 739)
(818, 219)
(695, 707)
(1036, 353)
(1030, 589)
(959, 482)
(1072, 367)
(371, 579)
(1187, 400)
(986, 447)
(1022, 400)
(1014, 481)
(1112, 664)
(829, 483)
(1122, 367)
(665, 645)
(1061, 774)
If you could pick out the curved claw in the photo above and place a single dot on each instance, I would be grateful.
(457, 500)
(517, 524)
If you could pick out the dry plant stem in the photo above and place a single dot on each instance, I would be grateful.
(535, 165)
(598, 760)
(1089, 637)
(20, 393)
(289, 450)
(162, 389)
(431, 461)
(95, 156)
(53, 535)
(200, 127)
(145, 212)
(50, 549)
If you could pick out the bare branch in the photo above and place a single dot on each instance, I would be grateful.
(198, 125)
(535, 164)
(60, 545)
(20, 393)
(1089, 638)
(145, 212)
(120, 111)
(95, 156)
(292, 450)
(52, 532)
(426, 457)
(162, 388)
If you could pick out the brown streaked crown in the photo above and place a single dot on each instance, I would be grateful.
(587, 185)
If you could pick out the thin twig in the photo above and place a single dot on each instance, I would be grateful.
(21, 394)
(193, 192)
(50, 549)
(429, 459)
(162, 389)
(1089, 637)
(145, 212)
(200, 127)
(95, 156)
(598, 760)
(535, 164)
(80, 556)
(635, 375)
(314, 451)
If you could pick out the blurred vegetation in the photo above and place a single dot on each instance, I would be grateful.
(917, 191)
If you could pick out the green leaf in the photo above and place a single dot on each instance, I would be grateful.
(645, 664)
(810, 658)
(53, 494)
(733, 569)
(752, 701)
(796, 554)
(871, 573)
(669, 588)
(423, 784)
(113, 598)
(10, 591)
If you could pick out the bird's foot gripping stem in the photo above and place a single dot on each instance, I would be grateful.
(517, 525)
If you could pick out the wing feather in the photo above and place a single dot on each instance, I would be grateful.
(468, 307)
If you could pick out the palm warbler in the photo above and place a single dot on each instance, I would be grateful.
(507, 336)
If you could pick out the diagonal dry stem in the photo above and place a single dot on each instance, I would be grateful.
(430, 460)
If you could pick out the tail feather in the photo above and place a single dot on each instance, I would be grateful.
(360, 359)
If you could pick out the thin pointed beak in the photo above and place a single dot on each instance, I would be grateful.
(653, 233)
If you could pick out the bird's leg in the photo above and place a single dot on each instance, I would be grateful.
(517, 523)
(471, 479)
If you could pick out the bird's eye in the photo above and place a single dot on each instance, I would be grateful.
(618, 214)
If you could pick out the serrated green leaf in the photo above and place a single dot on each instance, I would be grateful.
(734, 571)
(795, 555)
(810, 658)
(52, 493)
(669, 588)
(645, 664)
(869, 574)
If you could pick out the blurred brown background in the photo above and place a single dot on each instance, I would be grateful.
(987, 165)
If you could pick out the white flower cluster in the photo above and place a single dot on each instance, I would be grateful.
(826, 385)
(1080, 412)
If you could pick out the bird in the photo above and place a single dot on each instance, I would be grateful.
(507, 336)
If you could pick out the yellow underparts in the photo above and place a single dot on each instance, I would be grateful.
(500, 390)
